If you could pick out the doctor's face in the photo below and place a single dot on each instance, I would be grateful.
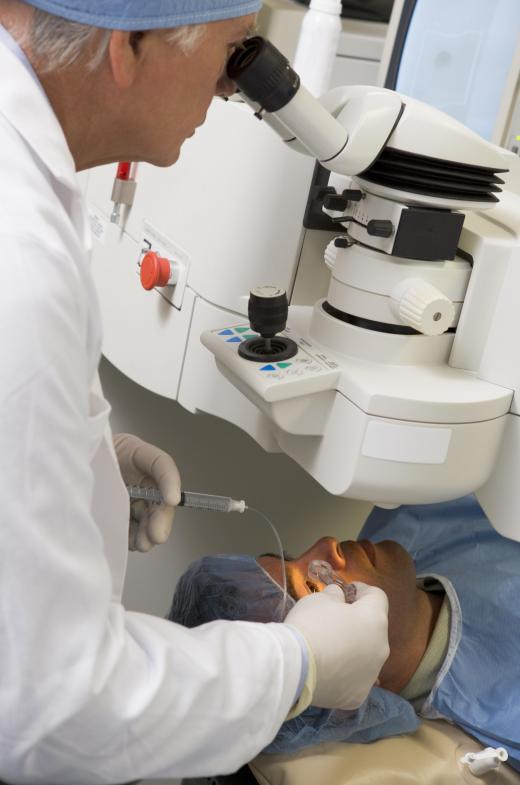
(386, 565)
(177, 87)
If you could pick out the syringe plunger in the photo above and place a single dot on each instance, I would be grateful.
(207, 501)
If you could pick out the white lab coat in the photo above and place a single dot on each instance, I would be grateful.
(91, 693)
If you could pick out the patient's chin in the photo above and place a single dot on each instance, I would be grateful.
(391, 680)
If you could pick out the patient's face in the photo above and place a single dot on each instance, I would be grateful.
(385, 564)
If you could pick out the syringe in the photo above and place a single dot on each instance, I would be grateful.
(198, 501)
(322, 571)
(207, 501)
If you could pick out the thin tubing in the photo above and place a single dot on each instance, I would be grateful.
(280, 548)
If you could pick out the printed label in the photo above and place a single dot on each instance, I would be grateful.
(98, 224)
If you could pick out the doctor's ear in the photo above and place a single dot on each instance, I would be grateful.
(124, 52)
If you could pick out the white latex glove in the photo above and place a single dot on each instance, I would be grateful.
(148, 466)
(349, 643)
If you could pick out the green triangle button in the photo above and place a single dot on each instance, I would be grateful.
(242, 329)
(283, 365)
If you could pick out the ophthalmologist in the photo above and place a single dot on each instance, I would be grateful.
(90, 692)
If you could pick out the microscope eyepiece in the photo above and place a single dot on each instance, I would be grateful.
(274, 91)
(263, 73)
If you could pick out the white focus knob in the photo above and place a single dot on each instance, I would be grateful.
(330, 254)
(420, 305)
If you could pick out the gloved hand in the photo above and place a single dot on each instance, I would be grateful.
(349, 643)
(148, 466)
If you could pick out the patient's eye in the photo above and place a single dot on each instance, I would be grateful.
(313, 587)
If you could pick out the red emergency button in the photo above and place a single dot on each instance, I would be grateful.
(155, 270)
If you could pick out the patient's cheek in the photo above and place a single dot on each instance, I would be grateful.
(395, 574)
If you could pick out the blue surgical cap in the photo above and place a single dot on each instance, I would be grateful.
(229, 587)
(146, 14)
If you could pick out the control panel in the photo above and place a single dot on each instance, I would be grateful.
(308, 371)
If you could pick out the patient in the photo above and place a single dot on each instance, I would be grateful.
(412, 611)
(454, 630)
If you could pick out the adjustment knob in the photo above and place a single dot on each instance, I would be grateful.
(353, 194)
(332, 249)
(380, 228)
(420, 305)
(157, 271)
(267, 310)
(336, 202)
(330, 255)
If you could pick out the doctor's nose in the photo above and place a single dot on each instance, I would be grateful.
(225, 87)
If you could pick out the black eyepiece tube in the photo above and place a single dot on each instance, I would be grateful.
(263, 73)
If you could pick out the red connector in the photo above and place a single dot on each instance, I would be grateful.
(123, 191)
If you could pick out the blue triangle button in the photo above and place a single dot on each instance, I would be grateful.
(235, 339)
(226, 332)
(268, 368)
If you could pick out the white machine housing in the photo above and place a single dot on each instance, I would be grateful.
(388, 418)
(377, 415)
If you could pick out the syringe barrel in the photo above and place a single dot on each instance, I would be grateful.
(207, 501)
(198, 501)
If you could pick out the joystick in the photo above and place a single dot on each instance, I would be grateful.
(267, 310)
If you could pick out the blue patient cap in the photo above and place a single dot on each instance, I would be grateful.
(227, 586)
(146, 14)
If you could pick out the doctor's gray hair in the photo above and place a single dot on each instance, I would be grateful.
(58, 43)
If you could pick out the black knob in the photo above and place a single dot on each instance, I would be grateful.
(335, 202)
(352, 194)
(267, 310)
(379, 228)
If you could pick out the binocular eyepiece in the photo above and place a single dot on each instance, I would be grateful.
(263, 74)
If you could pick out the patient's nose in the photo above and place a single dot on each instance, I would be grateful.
(327, 549)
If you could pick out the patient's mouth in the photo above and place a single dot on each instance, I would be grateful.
(370, 550)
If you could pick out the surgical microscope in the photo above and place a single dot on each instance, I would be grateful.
(398, 386)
